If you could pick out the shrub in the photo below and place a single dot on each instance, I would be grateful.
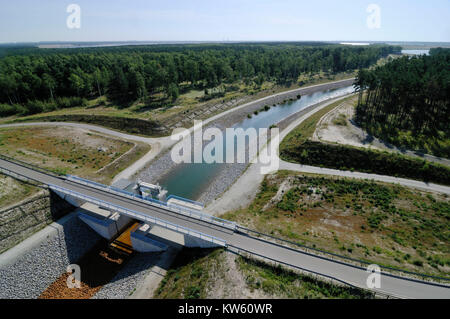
(192, 292)
(342, 157)
(418, 263)
(34, 107)
(68, 102)
(8, 110)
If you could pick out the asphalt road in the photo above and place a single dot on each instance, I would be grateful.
(390, 284)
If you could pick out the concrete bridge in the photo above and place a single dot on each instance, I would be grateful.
(199, 229)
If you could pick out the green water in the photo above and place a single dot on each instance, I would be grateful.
(190, 180)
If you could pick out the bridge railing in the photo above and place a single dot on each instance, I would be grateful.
(30, 166)
(140, 216)
(173, 207)
(185, 200)
(19, 176)
(334, 256)
(270, 261)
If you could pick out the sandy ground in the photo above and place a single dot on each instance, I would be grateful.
(228, 282)
(240, 194)
(351, 134)
(146, 289)
(160, 145)
(244, 190)
(229, 173)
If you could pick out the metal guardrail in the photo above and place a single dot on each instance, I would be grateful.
(211, 218)
(30, 166)
(185, 200)
(246, 253)
(330, 255)
(140, 216)
(173, 207)
(19, 176)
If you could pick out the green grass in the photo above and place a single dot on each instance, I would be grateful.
(188, 275)
(341, 120)
(70, 151)
(13, 191)
(164, 113)
(437, 144)
(345, 157)
(281, 282)
(193, 269)
(379, 223)
(297, 147)
(306, 129)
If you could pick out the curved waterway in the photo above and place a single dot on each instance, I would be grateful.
(190, 180)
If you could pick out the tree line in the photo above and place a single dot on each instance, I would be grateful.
(406, 101)
(34, 80)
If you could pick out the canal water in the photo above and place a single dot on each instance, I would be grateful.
(190, 180)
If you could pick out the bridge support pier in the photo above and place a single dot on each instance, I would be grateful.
(168, 237)
(148, 237)
(104, 222)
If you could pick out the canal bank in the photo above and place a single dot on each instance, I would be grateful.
(124, 283)
(205, 182)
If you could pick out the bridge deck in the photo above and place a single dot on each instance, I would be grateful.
(357, 276)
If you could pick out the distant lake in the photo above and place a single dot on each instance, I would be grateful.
(416, 52)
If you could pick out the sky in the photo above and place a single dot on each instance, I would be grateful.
(226, 20)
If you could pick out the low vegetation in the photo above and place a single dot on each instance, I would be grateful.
(340, 120)
(196, 270)
(188, 275)
(163, 86)
(351, 158)
(383, 224)
(33, 80)
(299, 148)
(70, 151)
(280, 282)
(13, 191)
(306, 129)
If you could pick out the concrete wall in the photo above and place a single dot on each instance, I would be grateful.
(169, 237)
(144, 244)
(20, 221)
(105, 227)
(28, 268)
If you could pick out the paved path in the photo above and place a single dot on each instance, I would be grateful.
(390, 284)
(401, 287)
(326, 171)
(381, 178)
(157, 144)
(243, 191)
(162, 144)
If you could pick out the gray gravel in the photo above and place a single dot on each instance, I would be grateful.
(157, 170)
(125, 282)
(228, 174)
(34, 271)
